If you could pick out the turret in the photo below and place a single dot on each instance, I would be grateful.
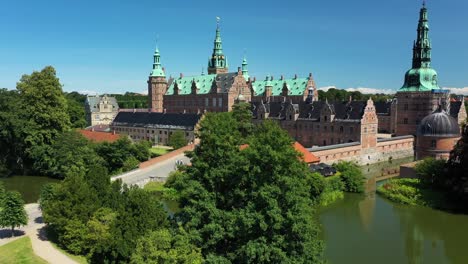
(218, 62)
(245, 70)
(157, 84)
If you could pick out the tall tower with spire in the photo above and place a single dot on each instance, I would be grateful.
(217, 63)
(420, 94)
(157, 84)
(245, 70)
(421, 77)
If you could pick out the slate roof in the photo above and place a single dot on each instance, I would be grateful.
(351, 111)
(383, 108)
(160, 120)
(92, 103)
(438, 124)
(225, 80)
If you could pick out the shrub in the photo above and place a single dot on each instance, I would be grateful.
(351, 175)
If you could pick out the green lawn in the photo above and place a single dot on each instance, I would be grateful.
(19, 251)
(78, 259)
(160, 151)
(154, 187)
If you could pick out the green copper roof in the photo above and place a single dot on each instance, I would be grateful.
(202, 82)
(421, 77)
(245, 70)
(157, 69)
(295, 86)
(217, 59)
(419, 80)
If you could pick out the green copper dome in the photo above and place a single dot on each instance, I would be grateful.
(157, 69)
(421, 77)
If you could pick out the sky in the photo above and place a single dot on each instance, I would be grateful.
(107, 46)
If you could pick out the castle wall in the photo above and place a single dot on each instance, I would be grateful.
(394, 148)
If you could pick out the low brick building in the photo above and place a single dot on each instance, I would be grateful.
(155, 127)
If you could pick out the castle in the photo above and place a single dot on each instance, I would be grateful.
(416, 111)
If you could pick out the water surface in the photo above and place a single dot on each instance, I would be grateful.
(28, 186)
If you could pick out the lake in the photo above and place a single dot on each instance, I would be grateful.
(28, 186)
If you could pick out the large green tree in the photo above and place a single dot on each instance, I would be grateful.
(251, 205)
(12, 213)
(70, 153)
(165, 247)
(352, 176)
(177, 139)
(457, 165)
(43, 102)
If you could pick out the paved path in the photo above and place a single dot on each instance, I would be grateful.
(36, 232)
(160, 170)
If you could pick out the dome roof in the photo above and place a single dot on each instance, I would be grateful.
(439, 124)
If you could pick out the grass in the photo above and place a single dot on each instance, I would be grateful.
(158, 151)
(414, 192)
(19, 251)
(154, 187)
(78, 259)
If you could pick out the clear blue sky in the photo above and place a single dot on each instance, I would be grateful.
(107, 46)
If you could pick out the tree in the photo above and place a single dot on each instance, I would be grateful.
(70, 153)
(163, 246)
(2, 194)
(351, 175)
(177, 139)
(77, 114)
(243, 115)
(43, 102)
(431, 171)
(457, 176)
(13, 213)
(252, 205)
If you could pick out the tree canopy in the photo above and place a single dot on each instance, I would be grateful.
(177, 139)
(252, 205)
(12, 213)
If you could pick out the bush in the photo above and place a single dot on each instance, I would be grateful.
(130, 164)
(351, 175)
(329, 197)
(431, 171)
(404, 191)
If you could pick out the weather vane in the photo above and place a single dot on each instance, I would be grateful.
(217, 20)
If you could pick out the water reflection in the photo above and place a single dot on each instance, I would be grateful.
(370, 229)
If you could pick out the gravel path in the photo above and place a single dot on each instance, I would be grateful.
(36, 231)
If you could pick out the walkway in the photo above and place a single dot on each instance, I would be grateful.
(36, 232)
(160, 170)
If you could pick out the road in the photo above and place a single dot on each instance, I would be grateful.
(160, 170)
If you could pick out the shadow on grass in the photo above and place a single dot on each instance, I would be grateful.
(6, 233)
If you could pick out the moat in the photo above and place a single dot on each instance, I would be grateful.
(362, 228)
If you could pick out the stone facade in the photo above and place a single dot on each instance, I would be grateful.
(100, 110)
(155, 127)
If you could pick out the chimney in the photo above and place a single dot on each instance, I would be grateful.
(239, 70)
(271, 79)
(181, 75)
(282, 77)
(255, 78)
(164, 111)
(310, 75)
(184, 111)
(295, 76)
(113, 132)
(164, 70)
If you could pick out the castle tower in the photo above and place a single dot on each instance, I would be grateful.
(369, 126)
(157, 84)
(218, 62)
(420, 94)
(245, 70)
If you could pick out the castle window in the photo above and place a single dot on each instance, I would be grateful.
(206, 102)
(341, 129)
(405, 121)
(214, 102)
(433, 144)
(325, 118)
(220, 102)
